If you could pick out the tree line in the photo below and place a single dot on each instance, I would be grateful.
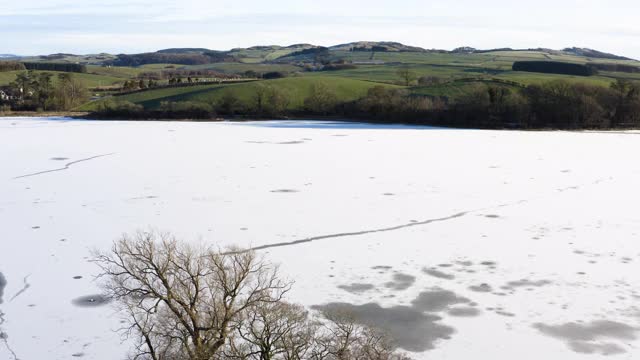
(169, 58)
(63, 67)
(34, 91)
(557, 104)
(554, 67)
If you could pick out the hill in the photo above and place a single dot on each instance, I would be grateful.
(386, 46)
(593, 53)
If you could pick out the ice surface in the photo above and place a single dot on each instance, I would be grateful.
(462, 243)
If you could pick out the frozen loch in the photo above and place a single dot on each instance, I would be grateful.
(463, 244)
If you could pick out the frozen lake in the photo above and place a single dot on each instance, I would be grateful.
(462, 243)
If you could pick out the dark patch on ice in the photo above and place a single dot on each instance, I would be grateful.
(59, 158)
(382, 267)
(78, 354)
(465, 263)
(411, 329)
(3, 284)
(464, 312)
(389, 194)
(505, 313)
(284, 191)
(401, 282)
(439, 274)
(77, 277)
(595, 330)
(35, 227)
(591, 338)
(91, 301)
(437, 300)
(483, 288)
(605, 349)
(149, 197)
(291, 142)
(357, 288)
(492, 216)
(445, 265)
(488, 263)
(526, 283)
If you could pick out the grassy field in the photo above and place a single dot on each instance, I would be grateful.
(239, 68)
(297, 89)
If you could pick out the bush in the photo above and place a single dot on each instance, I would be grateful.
(11, 66)
(274, 75)
(230, 104)
(186, 109)
(430, 81)
(338, 67)
(322, 99)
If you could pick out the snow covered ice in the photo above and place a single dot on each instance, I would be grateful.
(461, 243)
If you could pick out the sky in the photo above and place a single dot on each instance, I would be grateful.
(34, 27)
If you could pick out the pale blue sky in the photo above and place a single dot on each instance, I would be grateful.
(75, 26)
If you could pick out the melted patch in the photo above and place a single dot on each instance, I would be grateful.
(357, 288)
(411, 329)
(437, 300)
(591, 338)
(91, 301)
(401, 282)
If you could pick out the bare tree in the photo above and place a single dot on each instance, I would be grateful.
(321, 100)
(344, 338)
(274, 331)
(407, 75)
(184, 302)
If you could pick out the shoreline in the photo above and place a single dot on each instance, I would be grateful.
(84, 115)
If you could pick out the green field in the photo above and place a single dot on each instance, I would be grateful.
(296, 88)
(240, 68)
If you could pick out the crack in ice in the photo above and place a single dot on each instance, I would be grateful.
(24, 288)
(66, 167)
(362, 232)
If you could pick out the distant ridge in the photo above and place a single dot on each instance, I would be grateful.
(272, 52)
(593, 53)
(583, 52)
(376, 46)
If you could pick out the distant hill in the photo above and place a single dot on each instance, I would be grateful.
(383, 46)
(183, 51)
(8, 56)
(575, 51)
(586, 52)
